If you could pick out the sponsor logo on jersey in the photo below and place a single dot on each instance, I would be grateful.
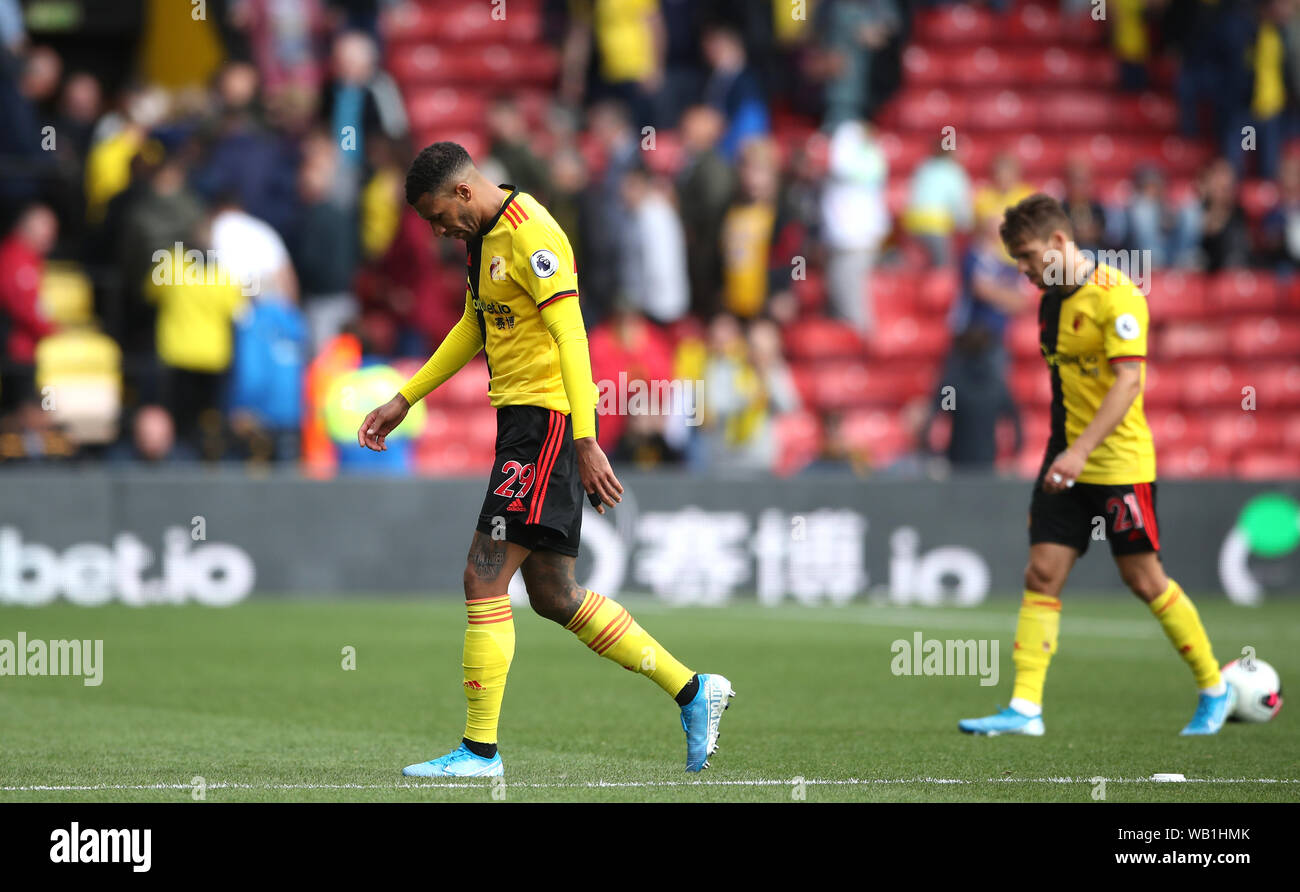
(491, 306)
(1087, 365)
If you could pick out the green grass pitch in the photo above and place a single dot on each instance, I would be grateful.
(254, 700)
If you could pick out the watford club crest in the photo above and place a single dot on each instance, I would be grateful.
(497, 269)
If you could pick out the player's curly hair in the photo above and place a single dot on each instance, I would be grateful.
(433, 167)
(1037, 216)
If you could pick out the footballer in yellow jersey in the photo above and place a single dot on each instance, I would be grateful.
(1098, 475)
(521, 308)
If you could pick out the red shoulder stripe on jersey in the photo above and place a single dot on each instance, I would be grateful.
(523, 214)
(514, 221)
(1127, 359)
(556, 296)
(545, 462)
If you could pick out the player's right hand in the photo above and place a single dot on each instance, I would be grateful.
(380, 423)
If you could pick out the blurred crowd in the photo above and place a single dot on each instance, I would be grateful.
(198, 253)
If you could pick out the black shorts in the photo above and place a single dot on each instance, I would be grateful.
(1125, 514)
(535, 496)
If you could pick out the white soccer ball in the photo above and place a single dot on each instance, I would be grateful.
(1256, 690)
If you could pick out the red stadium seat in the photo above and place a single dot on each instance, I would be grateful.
(1036, 428)
(877, 434)
(1032, 23)
(937, 290)
(667, 156)
(955, 25)
(444, 107)
(1258, 197)
(1076, 110)
(896, 196)
(976, 151)
(1173, 428)
(1161, 387)
(813, 339)
(1291, 433)
(1267, 465)
(1004, 109)
(844, 384)
(458, 21)
(1190, 461)
(905, 152)
(1238, 291)
(1031, 385)
(474, 141)
(1022, 339)
(810, 292)
(468, 387)
(1212, 384)
(1176, 295)
(1181, 340)
(799, 438)
(1059, 67)
(1277, 385)
(923, 68)
(1176, 153)
(1155, 110)
(929, 110)
(894, 292)
(986, 65)
(1235, 431)
(1266, 336)
(910, 337)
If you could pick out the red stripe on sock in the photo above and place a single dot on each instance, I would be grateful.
(610, 633)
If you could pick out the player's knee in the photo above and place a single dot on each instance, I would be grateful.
(474, 586)
(558, 603)
(1041, 577)
(1144, 583)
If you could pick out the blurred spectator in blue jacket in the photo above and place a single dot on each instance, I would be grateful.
(245, 159)
(733, 89)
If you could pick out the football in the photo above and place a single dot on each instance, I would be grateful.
(1256, 690)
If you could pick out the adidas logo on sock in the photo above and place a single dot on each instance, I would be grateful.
(516, 505)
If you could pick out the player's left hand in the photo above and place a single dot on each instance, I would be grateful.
(1065, 469)
(597, 476)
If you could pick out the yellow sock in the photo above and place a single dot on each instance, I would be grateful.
(611, 632)
(1036, 633)
(489, 648)
(1181, 622)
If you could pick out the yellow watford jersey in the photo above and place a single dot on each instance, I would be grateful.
(1082, 332)
(521, 265)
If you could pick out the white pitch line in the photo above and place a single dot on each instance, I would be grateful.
(596, 785)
